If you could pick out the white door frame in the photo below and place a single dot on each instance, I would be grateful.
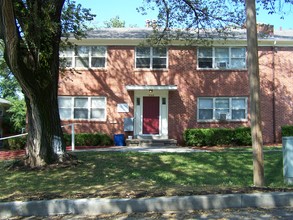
(138, 114)
(161, 91)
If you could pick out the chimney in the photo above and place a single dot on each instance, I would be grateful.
(148, 23)
(151, 23)
(154, 23)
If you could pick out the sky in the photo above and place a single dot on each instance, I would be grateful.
(126, 10)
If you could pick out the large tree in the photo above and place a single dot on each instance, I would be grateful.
(31, 33)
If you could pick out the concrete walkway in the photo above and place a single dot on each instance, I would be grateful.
(154, 149)
(14, 154)
(160, 204)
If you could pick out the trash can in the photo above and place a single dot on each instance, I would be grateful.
(119, 140)
(287, 143)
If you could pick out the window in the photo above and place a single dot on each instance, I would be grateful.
(224, 108)
(92, 108)
(151, 57)
(84, 56)
(221, 57)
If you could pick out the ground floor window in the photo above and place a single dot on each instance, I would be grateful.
(82, 107)
(221, 108)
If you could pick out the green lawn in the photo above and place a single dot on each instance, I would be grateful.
(131, 174)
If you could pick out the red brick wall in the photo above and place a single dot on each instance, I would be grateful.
(192, 83)
(283, 88)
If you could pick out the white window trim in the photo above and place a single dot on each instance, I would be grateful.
(214, 59)
(73, 56)
(214, 119)
(151, 60)
(89, 108)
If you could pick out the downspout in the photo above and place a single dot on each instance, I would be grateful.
(274, 93)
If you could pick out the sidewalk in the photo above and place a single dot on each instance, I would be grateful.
(8, 155)
(154, 149)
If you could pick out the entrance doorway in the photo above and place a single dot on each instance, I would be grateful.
(151, 115)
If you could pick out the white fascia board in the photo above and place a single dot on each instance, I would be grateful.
(216, 42)
(108, 42)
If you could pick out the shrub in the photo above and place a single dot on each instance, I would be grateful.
(89, 139)
(287, 130)
(242, 136)
(222, 136)
(14, 143)
(81, 139)
(67, 139)
(217, 136)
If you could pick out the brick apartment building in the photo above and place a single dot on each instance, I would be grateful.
(115, 84)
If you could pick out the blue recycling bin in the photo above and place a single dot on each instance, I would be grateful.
(119, 140)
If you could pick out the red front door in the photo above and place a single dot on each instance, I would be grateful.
(151, 115)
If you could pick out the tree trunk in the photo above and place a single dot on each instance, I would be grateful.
(34, 61)
(254, 81)
(45, 137)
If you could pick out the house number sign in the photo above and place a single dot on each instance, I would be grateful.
(122, 107)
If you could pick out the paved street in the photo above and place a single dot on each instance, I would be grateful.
(247, 213)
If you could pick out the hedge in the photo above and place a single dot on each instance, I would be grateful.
(81, 139)
(287, 130)
(17, 143)
(217, 136)
(89, 139)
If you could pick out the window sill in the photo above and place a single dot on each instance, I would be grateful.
(150, 70)
(222, 121)
(86, 68)
(82, 120)
(216, 69)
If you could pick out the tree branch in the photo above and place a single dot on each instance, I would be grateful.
(9, 33)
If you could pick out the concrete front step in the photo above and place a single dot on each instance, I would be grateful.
(151, 142)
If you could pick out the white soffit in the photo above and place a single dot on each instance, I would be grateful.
(148, 87)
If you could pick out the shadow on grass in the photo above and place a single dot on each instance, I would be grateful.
(102, 174)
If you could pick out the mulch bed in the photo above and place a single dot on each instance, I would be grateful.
(16, 154)
(11, 154)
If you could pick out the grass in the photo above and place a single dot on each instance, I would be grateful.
(106, 174)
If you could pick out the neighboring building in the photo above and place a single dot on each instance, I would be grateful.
(169, 89)
(4, 104)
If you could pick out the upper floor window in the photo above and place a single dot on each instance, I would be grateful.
(92, 108)
(222, 108)
(221, 57)
(151, 57)
(84, 56)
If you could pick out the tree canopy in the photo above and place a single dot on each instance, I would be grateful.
(218, 15)
(115, 23)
